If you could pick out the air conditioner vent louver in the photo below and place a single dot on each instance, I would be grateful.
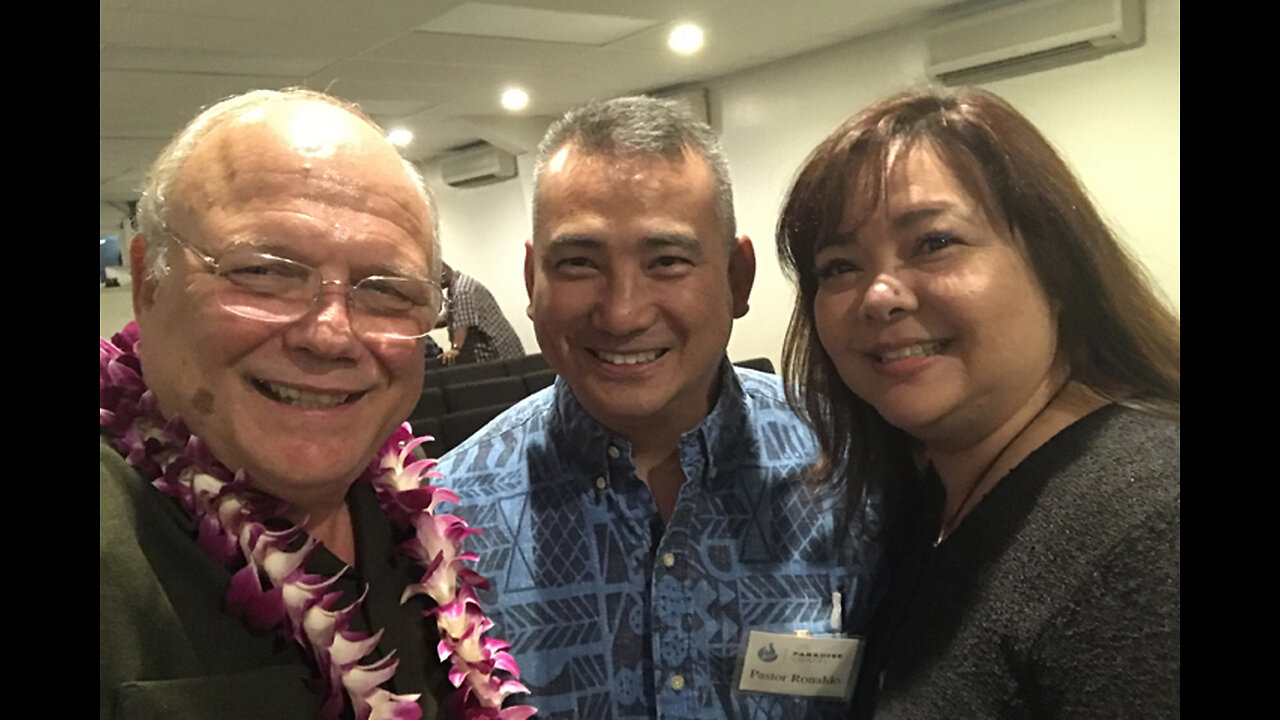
(1029, 36)
(480, 165)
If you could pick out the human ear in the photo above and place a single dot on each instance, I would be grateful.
(528, 275)
(144, 286)
(742, 273)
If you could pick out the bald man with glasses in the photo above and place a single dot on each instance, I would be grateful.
(266, 551)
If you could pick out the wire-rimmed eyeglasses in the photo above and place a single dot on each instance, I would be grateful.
(268, 288)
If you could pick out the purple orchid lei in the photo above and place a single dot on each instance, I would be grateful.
(233, 518)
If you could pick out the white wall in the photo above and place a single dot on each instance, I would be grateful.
(115, 309)
(115, 304)
(482, 232)
(1115, 119)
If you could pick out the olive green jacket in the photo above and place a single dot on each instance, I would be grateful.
(167, 649)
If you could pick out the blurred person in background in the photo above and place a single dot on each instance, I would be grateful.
(478, 331)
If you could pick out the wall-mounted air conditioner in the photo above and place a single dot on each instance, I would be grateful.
(1031, 35)
(477, 165)
(694, 97)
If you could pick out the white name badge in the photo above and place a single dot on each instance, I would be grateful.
(784, 664)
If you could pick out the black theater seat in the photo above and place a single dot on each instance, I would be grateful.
(763, 364)
(526, 364)
(538, 379)
(454, 374)
(458, 426)
(428, 425)
(483, 393)
(430, 404)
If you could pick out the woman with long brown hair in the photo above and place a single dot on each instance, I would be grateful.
(971, 343)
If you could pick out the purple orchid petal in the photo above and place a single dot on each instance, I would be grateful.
(415, 442)
(266, 611)
(518, 712)
(503, 661)
(412, 589)
(362, 679)
(419, 468)
(451, 617)
(319, 628)
(281, 565)
(385, 706)
(349, 647)
(417, 499)
(444, 649)
(444, 495)
(497, 645)
(473, 578)
(216, 543)
(244, 586)
(261, 609)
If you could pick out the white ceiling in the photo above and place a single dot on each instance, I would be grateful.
(434, 66)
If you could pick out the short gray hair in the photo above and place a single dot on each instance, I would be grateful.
(153, 206)
(639, 126)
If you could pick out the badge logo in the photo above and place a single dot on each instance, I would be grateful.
(767, 653)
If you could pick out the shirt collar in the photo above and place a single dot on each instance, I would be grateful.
(721, 431)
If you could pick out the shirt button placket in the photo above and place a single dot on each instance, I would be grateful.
(602, 482)
(678, 698)
(678, 676)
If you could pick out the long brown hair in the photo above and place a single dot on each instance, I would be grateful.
(1117, 336)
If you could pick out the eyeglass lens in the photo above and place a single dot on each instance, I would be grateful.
(272, 289)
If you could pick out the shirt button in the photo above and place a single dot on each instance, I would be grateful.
(677, 682)
(613, 452)
(601, 482)
(668, 560)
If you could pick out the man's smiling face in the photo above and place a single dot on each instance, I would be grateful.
(301, 406)
(633, 287)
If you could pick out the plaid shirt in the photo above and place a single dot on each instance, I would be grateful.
(489, 335)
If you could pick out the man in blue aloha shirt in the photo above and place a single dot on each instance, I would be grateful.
(649, 509)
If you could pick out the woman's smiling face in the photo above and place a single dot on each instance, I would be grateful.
(929, 309)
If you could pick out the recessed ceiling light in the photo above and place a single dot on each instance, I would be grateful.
(514, 99)
(400, 137)
(685, 39)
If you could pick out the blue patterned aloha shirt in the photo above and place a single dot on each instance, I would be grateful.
(610, 614)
